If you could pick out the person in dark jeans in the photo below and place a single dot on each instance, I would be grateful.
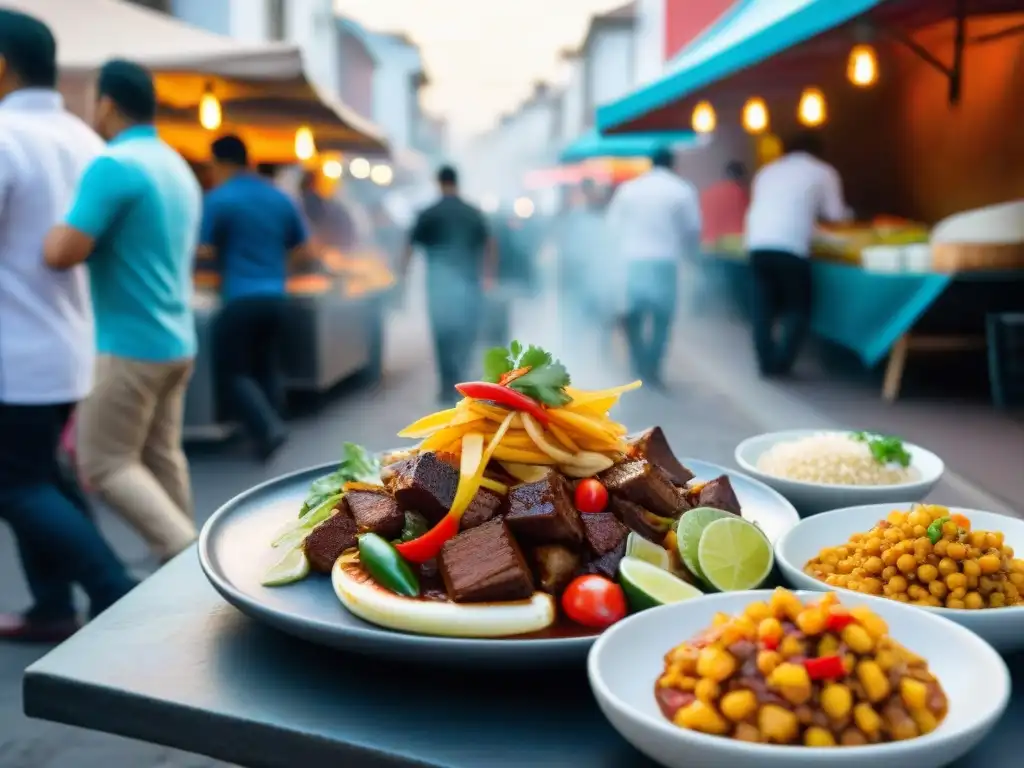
(788, 197)
(781, 307)
(461, 262)
(253, 229)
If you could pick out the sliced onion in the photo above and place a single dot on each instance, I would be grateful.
(587, 464)
(536, 433)
(525, 473)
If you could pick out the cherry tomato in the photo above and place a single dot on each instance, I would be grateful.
(594, 601)
(591, 496)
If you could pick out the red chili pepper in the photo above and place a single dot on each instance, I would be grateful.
(428, 546)
(510, 398)
(770, 643)
(825, 668)
(838, 620)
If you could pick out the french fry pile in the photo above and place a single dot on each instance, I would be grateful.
(580, 438)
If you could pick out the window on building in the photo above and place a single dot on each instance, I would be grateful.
(277, 19)
(163, 6)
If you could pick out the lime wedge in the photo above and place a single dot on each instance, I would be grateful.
(691, 526)
(642, 549)
(648, 586)
(734, 555)
(291, 568)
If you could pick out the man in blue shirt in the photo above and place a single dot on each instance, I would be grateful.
(252, 229)
(134, 221)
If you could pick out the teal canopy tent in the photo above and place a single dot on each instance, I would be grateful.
(593, 144)
(748, 33)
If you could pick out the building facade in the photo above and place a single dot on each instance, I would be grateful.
(308, 24)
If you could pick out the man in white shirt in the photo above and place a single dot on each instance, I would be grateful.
(46, 340)
(788, 198)
(655, 221)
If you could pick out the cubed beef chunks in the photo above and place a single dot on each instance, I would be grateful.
(653, 446)
(485, 564)
(330, 539)
(426, 484)
(718, 493)
(543, 512)
(603, 532)
(375, 512)
(642, 483)
(486, 505)
(554, 566)
(607, 565)
(649, 525)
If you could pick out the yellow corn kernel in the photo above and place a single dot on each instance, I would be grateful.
(858, 639)
(686, 683)
(720, 619)
(836, 700)
(914, 693)
(769, 630)
(777, 724)
(792, 646)
(819, 737)
(876, 684)
(811, 621)
(867, 719)
(758, 611)
(904, 729)
(698, 716)
(738, 705)
(789, 674)
(715, 663)
(828, 646)
(707, 690)
(768, 661)
(887, 659)
(747, 732)
(785, 605)
(925, 720)
(874, 625)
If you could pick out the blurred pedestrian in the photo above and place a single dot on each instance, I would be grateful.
(461, 263)
(655, 222)
(590, 294)
(723, 205)
(135, 221)
(254, 229)
(788, 197)
(46, 341)
(329, 221)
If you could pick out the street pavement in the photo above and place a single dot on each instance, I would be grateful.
(703, 411)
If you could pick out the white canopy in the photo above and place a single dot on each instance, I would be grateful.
(89, 32)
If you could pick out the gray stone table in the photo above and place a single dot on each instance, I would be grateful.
(175, 665)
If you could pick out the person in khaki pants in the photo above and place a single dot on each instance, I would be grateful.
(135, 222)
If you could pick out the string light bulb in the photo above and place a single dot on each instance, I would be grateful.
(381, 175)
(862, 66)
(359, 168)
(209, 110)
(755, 115)
(812, 111)
(332, 169)
(305, 147)
(704, 119)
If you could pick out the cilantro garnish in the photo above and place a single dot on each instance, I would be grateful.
(886, 449)
(544, 379)
(357, 465)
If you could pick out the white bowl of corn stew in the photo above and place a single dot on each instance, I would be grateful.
(630, 660)
(973, 575)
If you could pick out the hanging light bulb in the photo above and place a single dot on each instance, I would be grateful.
(332, 169)
(305, 147)
(360, 168)
(209, 110)
(862, 66)
(382, 175)
(704, 119)
(755, 115)
(812, 107)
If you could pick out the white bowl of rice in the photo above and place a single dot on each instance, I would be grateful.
(819, 470)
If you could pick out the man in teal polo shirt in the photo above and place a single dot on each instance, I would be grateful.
(135, 222)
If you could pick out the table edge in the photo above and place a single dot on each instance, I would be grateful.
(49, 697)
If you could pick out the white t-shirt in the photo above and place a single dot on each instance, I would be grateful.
(655, 217)
(787, 198)
(47, 341)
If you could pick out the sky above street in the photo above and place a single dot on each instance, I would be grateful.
(482, 56)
